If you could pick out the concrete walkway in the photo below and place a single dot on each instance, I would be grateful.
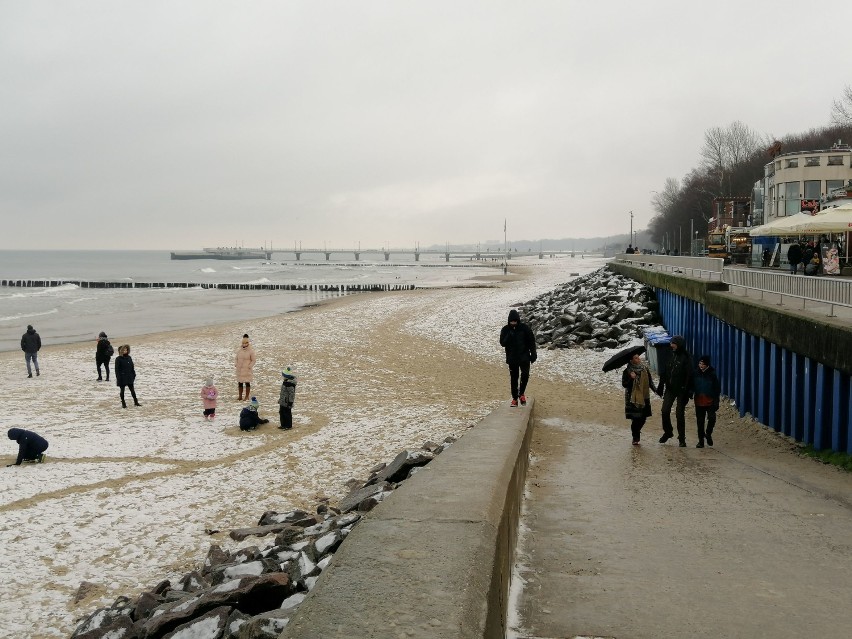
(746, 539)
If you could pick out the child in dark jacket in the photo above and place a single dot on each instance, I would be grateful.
(287, 398)
(706, 391)
(249, 419)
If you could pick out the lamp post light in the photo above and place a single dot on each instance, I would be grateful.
(630, 237)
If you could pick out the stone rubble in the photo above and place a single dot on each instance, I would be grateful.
(597, 311)
(252, 592)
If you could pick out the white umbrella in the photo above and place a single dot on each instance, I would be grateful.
(836, 220)
(781, 226)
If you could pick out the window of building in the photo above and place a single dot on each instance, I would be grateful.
(792, 197)
(812, 161)
(830, 185)
(812, 191)
(835, 160)
(793, 164)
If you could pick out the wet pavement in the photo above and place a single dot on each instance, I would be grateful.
(747, 539)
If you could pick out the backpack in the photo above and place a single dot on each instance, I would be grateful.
(110, 351)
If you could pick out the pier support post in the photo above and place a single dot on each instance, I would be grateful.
(328, 257)
(387, 256)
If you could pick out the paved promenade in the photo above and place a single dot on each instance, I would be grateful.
(746, 539)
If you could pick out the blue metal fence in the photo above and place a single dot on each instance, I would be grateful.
(782, 389)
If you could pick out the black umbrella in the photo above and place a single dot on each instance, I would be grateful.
(621, 358)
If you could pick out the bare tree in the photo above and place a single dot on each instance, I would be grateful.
(841, 110)
(725, 149)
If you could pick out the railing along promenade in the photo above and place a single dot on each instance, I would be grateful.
(789, 365)
(475, 254)
(830, 291)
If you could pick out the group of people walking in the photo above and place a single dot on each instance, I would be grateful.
(679, 382)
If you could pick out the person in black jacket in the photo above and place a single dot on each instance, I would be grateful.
(675, 388)
(103, 353)
(249, 419)
(638, 384)
(31, 446)
(794, 256)
(706, 390)
(125, 374)
(518, 340)
(31, 344)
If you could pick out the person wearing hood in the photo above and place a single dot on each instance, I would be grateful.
(125, 374)
(103, 353)
(638, 384)
(31, 345)
(244, 363)
(706, 390)
(518, 340)
(287, 398)
(675, 387)
(249, 418)
(209, 397)
(31, 446)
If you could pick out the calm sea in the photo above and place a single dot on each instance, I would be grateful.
(68, 313)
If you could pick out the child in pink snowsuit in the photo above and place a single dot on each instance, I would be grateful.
(209, 395)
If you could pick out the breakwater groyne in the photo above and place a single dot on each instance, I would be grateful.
(227, 286)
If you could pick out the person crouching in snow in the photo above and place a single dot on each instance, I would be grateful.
(31, 446)
(249, 419)
(209, 395)
(287, 398)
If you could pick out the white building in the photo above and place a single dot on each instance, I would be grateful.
(806, 181)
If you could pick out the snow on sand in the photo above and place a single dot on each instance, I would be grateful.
(126, 496)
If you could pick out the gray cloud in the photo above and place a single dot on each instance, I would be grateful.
(181, 125)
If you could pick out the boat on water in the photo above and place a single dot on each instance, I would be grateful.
(223, 254)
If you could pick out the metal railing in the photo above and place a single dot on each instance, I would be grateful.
(709, 268)
(820, 289)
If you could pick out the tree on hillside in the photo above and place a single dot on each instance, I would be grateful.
(841, 110)
(726, 148)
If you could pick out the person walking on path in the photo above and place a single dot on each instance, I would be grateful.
(287, 398)
(518, 340)
(103, 353)
(31, 446)
(209, 395)
(249, 418)
(31, 344)
(706, 390)
(675, 387)
(244, 363)
(638, 384)
(125, 374)
(794, 256)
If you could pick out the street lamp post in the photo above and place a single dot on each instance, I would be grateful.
(630, 237)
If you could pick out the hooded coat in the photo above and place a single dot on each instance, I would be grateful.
(677, 375)
(103, 351)
(244, 362)
(30, 445)
(125, 371)
(518, 341)
(30, 341)
(209, 395)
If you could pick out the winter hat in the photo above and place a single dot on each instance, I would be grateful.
(514, 316)
(679, 342)
(705, 359)
(208, 381)
(289, 372)
(102, 335)
(29, 327)
(254, 404)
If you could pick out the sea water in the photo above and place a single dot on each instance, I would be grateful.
(68, 313)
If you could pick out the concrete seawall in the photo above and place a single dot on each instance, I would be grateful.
(434, 559)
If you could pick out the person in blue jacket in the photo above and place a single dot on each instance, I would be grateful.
(31, 446)
(706, 390)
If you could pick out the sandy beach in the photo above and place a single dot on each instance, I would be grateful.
(130, 497)
(126, 496)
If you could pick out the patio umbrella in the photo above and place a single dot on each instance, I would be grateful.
(621, 358)
(836, 220)
(781, 226)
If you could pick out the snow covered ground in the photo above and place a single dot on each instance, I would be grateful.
(126, 496)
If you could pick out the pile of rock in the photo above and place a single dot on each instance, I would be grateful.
(599, 310)
(251, 593)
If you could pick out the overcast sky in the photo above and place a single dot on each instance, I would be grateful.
(155, 124)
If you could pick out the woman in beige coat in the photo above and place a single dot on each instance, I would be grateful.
(245, 363)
